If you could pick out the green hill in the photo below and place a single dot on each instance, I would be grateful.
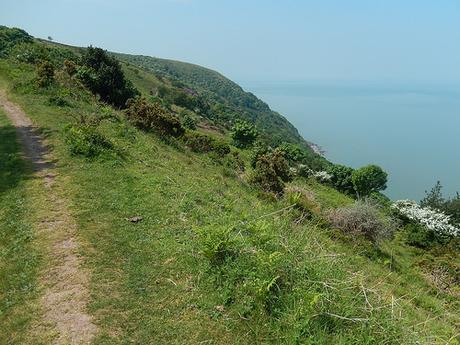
(174, 235)
(225, 100)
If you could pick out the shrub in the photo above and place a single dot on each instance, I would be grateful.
(293, 153)
(363, 217)
(341, 178)
(152, 116)
(271, 172)
(102, 74)
(434, 220)
(86, 141)
(368, 179)
(420, 236)
(203, 143)
(70, 67)
(189, 122)
(243, 134)
(10, 37)
(45, 74)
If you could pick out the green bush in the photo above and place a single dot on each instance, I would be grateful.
(45, 74)
(203, 143)
(368, 179)
(419, 236)
(292, 152)
(342, 178)
(152, 116)
(86, 141)
(9, 37)
(103, 75)
(243, 134)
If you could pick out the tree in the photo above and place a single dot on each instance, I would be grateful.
(368, 179)
(103, 75)
(342, 178)
(243, 134)
(434, 198)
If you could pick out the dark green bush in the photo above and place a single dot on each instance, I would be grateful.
(103, 75)
(152, 116)
(369, 179)
(203, 143)
(86, 141)
(420, 236)
(342, 178)
(9, 37)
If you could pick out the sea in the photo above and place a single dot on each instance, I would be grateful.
(410, 130)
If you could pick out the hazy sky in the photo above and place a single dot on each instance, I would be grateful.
(400, 40)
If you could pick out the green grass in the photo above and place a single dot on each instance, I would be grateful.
(213, 260)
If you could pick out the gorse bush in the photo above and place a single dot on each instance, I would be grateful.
(102, 74)
(45, 74)
(363, 217)
(152, 116)
(86, 141)
(203, 143)
(270, 173)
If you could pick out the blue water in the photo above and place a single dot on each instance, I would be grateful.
(412, 131)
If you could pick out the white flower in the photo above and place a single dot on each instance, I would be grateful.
(433, 220)
(322, 176)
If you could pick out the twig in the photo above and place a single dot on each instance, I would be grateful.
(275, 212)
(365, 296)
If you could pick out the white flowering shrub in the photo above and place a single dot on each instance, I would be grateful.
(433, 220)
(322, 176)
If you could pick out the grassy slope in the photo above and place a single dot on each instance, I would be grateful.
(151, 284)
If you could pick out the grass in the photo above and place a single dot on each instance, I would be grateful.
(212, 261)
(19, 259)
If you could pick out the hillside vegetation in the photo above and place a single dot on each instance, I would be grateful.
(194, 225)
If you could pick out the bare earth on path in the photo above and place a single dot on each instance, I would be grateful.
(65, 281)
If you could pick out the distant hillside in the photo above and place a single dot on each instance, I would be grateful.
(226, 99)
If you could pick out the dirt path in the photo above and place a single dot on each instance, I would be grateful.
(65, 281)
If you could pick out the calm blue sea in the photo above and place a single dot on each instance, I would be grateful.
(412, 131)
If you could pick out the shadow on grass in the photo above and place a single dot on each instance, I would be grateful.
(13, 167)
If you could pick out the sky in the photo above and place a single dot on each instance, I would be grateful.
(264, 40)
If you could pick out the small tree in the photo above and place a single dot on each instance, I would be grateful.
(243, 134)
(368, 179)
(103, 75)
(434, 198)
